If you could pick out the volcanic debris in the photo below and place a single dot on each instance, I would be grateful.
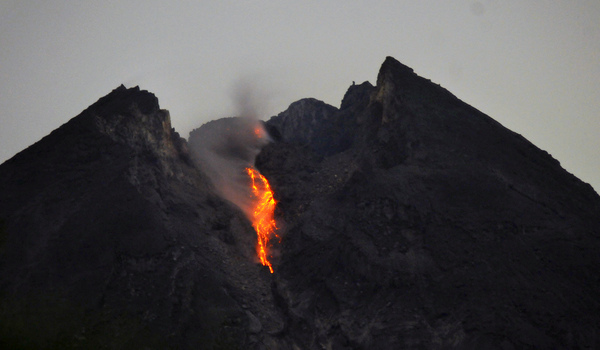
(408, 218)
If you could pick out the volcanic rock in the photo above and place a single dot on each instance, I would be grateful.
(432, 227)
(408, 219)
(114, 239)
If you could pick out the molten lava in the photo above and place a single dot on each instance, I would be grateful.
(259, 132)
(262, 219)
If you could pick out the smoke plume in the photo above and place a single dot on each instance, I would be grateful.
(224, 148)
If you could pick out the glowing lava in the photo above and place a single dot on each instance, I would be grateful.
(258, 132)
(263, 220)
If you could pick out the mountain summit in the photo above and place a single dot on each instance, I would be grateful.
(407, 219)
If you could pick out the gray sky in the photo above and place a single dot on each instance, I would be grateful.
(534, 66)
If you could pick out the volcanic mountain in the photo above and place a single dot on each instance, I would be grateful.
(407, 219)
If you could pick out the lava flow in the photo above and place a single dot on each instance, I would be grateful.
(262, 219)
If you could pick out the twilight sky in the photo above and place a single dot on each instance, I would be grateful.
(534, 66)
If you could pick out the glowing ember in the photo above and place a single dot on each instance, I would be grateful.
(263, 220)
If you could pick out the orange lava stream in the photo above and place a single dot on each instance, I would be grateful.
(263, 220)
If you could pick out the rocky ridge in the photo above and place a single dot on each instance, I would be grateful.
(434, 226)
(114, 239)
(409, 219)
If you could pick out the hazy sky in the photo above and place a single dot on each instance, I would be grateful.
(534, 66)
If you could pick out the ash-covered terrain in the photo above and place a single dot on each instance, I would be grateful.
(408, 220)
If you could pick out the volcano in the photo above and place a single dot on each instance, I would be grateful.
(407, 219)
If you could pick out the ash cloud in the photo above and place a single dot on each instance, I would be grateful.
(249, 100)
(223, 148)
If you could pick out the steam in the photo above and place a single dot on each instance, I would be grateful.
(224, 148)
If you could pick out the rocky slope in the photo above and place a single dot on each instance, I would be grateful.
(408, 220)
(113, 239)
(412, 220)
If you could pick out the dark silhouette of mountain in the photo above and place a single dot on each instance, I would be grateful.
(415, 221)
(408, 219)
(113, 239)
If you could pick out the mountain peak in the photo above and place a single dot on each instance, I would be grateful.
(121, 99)
(406, 207)
(128, 117)
(133, 116)
(393, 71)
(390, 64)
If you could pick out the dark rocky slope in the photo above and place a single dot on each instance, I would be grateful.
(114, 240)
(409, 220)
(412, 220)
